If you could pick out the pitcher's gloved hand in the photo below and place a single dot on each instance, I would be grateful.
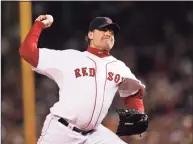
(131, 122)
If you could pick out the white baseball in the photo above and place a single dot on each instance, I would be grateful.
(47, 20)
(50, 20)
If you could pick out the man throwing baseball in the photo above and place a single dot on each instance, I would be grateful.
(87, 84)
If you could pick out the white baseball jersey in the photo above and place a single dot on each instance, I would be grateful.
(87, 84)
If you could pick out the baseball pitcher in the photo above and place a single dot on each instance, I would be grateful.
(87, 84)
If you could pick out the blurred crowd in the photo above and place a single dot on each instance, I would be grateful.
(155, 41)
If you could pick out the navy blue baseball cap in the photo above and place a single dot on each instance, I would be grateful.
(103, 22)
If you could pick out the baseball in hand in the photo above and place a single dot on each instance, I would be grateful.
(46, 19)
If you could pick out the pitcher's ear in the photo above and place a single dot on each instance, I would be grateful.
(90, 35)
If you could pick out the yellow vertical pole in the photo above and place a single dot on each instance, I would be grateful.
(27, 78)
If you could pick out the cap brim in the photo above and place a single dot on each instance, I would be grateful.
(112, 26)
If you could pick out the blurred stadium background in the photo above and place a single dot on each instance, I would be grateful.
(155, 41)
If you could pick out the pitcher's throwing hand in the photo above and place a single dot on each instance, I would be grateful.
(47, 20)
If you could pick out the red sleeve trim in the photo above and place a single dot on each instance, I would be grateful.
(135, 101)
(28, 50)
(138, 94)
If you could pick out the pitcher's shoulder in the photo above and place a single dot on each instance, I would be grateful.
(123, 66)
(120, 63)
(71, 51)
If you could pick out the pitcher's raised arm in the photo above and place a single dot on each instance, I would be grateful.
(28, 49)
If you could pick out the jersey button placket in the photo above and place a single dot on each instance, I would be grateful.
(101, 75)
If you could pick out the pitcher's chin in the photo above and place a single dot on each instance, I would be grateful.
(106, 47)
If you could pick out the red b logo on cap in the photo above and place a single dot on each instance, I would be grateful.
(108, 20)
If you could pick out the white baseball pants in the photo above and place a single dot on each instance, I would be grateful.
(54, 132)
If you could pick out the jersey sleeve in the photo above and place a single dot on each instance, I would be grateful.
(48, 58)
(51, 62)
(130, 85)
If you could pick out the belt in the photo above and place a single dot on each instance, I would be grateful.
(64, 122)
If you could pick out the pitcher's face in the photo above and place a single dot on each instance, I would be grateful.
(102, 38)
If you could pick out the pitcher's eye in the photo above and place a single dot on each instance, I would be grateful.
(107, 29)
(112, 32)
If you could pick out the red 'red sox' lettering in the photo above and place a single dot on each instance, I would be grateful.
(84, 72)
(77, 72)
(116, 77)
(110, 76)
(91, 72)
